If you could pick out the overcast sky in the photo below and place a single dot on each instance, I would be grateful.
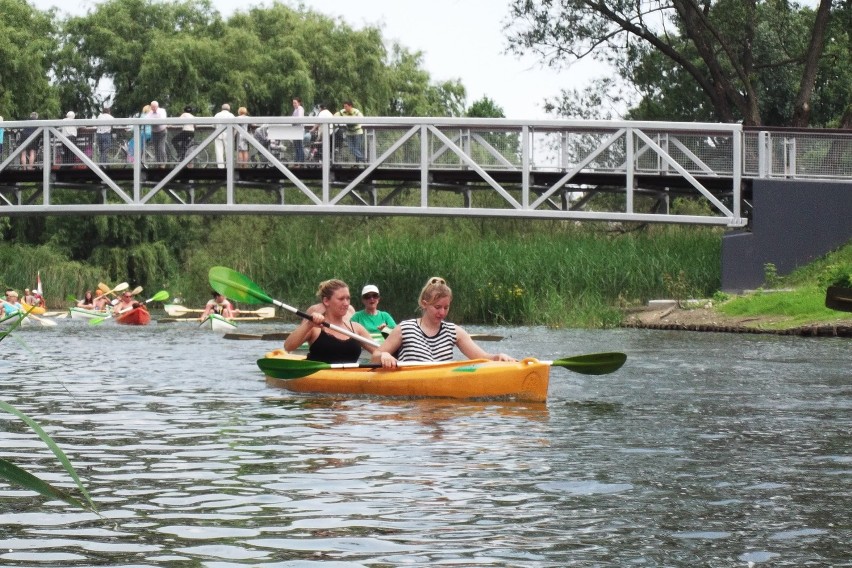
(460, 39)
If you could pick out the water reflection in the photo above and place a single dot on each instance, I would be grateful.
(725, 450)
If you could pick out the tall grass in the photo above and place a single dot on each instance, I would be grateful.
(551, 273)
(20, 265)
(563, 277)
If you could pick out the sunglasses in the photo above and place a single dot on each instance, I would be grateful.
(370, 296)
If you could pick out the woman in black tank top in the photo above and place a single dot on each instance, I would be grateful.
(327, 345)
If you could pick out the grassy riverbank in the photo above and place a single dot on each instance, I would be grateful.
(797, 299)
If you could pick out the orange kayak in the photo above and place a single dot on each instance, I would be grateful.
(525, 380)
(135, 316)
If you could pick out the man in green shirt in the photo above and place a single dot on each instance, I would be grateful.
(373, 319)
(354, 132)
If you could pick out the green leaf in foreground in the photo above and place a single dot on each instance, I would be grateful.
(15, 474)
(39, 485)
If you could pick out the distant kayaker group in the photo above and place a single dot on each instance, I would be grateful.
(13, 304)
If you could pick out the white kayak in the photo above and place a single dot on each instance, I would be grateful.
(26, 320)
(216, 322)
(84, 314)
(10, 319)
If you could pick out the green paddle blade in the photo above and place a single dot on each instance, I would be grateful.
(236, 286)
(593, 363)
(290, 368)
(160, 296)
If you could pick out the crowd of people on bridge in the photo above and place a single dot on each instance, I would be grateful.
(101, 142)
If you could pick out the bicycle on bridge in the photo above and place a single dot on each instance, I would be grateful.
(177, 146)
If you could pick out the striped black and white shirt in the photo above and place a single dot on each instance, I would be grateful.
(417, 346)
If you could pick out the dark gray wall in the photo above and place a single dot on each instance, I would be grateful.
(793, 223)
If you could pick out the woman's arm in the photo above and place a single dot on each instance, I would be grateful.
(473, 351)
(362, 331)
(384, 354)
(306, 331)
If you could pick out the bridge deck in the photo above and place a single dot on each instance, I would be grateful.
(539, 169)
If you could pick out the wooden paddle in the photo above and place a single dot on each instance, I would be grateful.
(592, 364)
(475, 336)
(118, 288)
(42, 321)
(176, 310)
(232, 284)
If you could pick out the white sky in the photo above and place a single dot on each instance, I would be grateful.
(460, 39)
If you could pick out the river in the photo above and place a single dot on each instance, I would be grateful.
(705, 449)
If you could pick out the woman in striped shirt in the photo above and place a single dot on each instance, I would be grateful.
(430, 337)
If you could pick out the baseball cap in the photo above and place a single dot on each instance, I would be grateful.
(369, 288)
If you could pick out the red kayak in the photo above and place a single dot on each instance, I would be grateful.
(135, 316)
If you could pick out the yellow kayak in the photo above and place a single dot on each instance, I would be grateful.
(37, 310)
(525, 380)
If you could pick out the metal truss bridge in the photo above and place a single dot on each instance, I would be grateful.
(566, 170)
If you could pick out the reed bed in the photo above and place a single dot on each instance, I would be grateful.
(563, 277)
(503, 272)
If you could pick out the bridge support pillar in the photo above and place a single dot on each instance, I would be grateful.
(793, 223)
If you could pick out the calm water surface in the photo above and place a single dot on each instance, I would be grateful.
(704, 450)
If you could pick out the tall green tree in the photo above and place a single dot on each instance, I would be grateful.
(133, 44)
(756, 61)
(28, 44)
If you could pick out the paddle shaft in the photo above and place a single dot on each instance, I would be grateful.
(336, 328)
(232, 284)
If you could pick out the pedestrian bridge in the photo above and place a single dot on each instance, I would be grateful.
(553, 169)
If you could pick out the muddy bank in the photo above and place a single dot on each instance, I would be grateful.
(707, 319)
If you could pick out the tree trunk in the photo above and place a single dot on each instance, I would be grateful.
(802, 107)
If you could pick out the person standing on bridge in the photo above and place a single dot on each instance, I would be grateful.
(71, 133)
(158, 132)
(103, 133)
(28, 156)
(242, 140)
(316, 151)
(298, 145)
(354, 132)
(223, 136)
(184, 137)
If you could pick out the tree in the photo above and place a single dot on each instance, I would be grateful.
(485, 108)
(28, 42)
(730, 54)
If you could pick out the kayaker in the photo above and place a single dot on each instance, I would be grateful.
(100, 302)
(218, 304)
(371, 317)
(10, 305)
(325, 344)
(126, 303)
(430, 337)
(88, 301)
(29, 298)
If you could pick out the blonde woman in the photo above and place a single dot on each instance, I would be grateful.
(327, 345)
(242, 141)
(431, 337)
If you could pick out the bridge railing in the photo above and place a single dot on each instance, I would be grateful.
(544, 169)
(797, 153)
